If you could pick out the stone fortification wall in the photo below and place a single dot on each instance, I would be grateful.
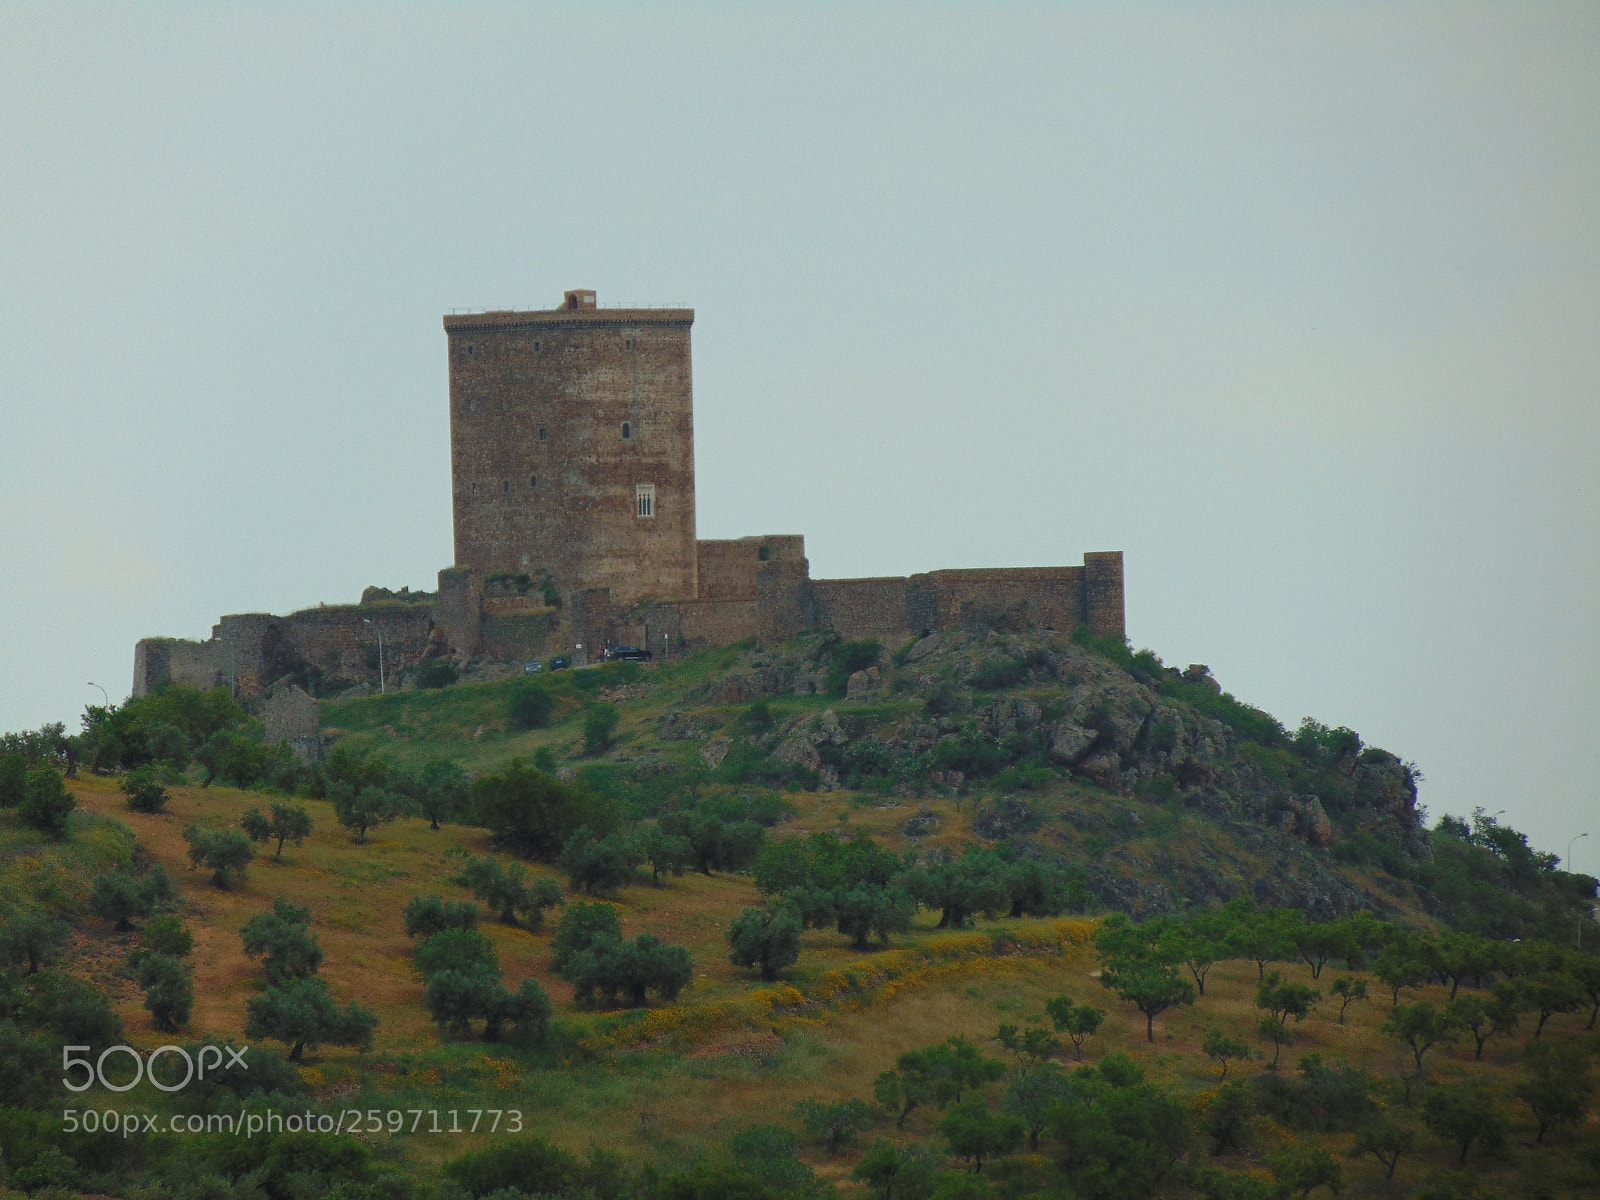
(558, 420)
(518, 636)
(856, 609)
(249, 651)
(727, 568)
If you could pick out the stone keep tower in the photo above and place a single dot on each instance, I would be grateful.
(572, 447)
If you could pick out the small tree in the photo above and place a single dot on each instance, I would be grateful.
(427, 915)
(1285, 1000)
(1033, 1097)
(288, 823)
(834, 1125)
(281, 937)
(599, 728)
(1465, 1115)
(1556, 1085)
(31, 936)
(1029, 1045)
(1076, 1021)
(581, 926)
(906, 1088)
(1275, 1035)
(118, 898)
(1419, 1027)
(142, 787)
(891, 1171)
(1303, 1169)
(1151, 987)
(1484, 1019)
(600, 866)
(974, 1132)
(13, 778)
(46, 802)
(439, 790)
(1219, 1047)
(1348, 991)
(1386, 1142)
(166, 935)
(466, 951)
(303, 1013)
(765, 938)
(1548, 993)
(1400, 966)
(359, 811)
(1229, 1118)
(227, 853)
(506, 892)
(665, 852)
(169, 991)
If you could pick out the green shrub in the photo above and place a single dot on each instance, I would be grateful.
(599, 727)
(996, 673)
(437, 673)
(530, 706)
(848, 658)
(46, 802)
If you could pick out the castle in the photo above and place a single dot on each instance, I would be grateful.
(572, 479)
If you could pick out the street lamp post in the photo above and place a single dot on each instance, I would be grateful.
(1570, 842)
(383, 687)
(103, 692)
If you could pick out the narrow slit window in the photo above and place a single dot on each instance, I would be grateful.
(627, 431)
(644, 499)
(533, 481)
(538, 347)
(544, 434)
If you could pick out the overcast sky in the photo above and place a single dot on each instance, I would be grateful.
(1295, 304)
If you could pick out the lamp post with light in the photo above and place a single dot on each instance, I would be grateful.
(1570, 842)
(103, 692)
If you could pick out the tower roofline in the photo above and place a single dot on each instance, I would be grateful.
(561, 318)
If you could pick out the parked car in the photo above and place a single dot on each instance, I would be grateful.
(532, 668)
(560, 662)
(629, 653)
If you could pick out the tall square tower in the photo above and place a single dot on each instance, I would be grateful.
(572, 447)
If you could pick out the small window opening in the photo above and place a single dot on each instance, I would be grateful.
(544, 434)
(474, 489)
(627, 431)
(644, 498)
(538, 347)
(764, 553)
(533, 481)
(505, 485)
(630, 343)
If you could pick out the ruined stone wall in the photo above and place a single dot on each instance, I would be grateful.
(160, 661)
(519, 636)
(340, 641)
(1105, 611)
(556, 420)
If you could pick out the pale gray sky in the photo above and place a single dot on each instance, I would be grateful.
(1296, 304)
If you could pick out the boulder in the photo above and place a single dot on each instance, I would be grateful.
(1069, 742)
(714, 751)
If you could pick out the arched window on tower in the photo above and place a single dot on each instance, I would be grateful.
(627, 431)
(644, 499)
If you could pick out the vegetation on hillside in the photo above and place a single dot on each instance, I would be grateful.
(989, 916)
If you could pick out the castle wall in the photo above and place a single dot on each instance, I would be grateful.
(727, 568)
(556, 420)
(857, 609)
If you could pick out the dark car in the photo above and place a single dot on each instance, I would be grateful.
(627, 653)
(560, 662)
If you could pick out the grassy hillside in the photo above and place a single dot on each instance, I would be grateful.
(671, 1084)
